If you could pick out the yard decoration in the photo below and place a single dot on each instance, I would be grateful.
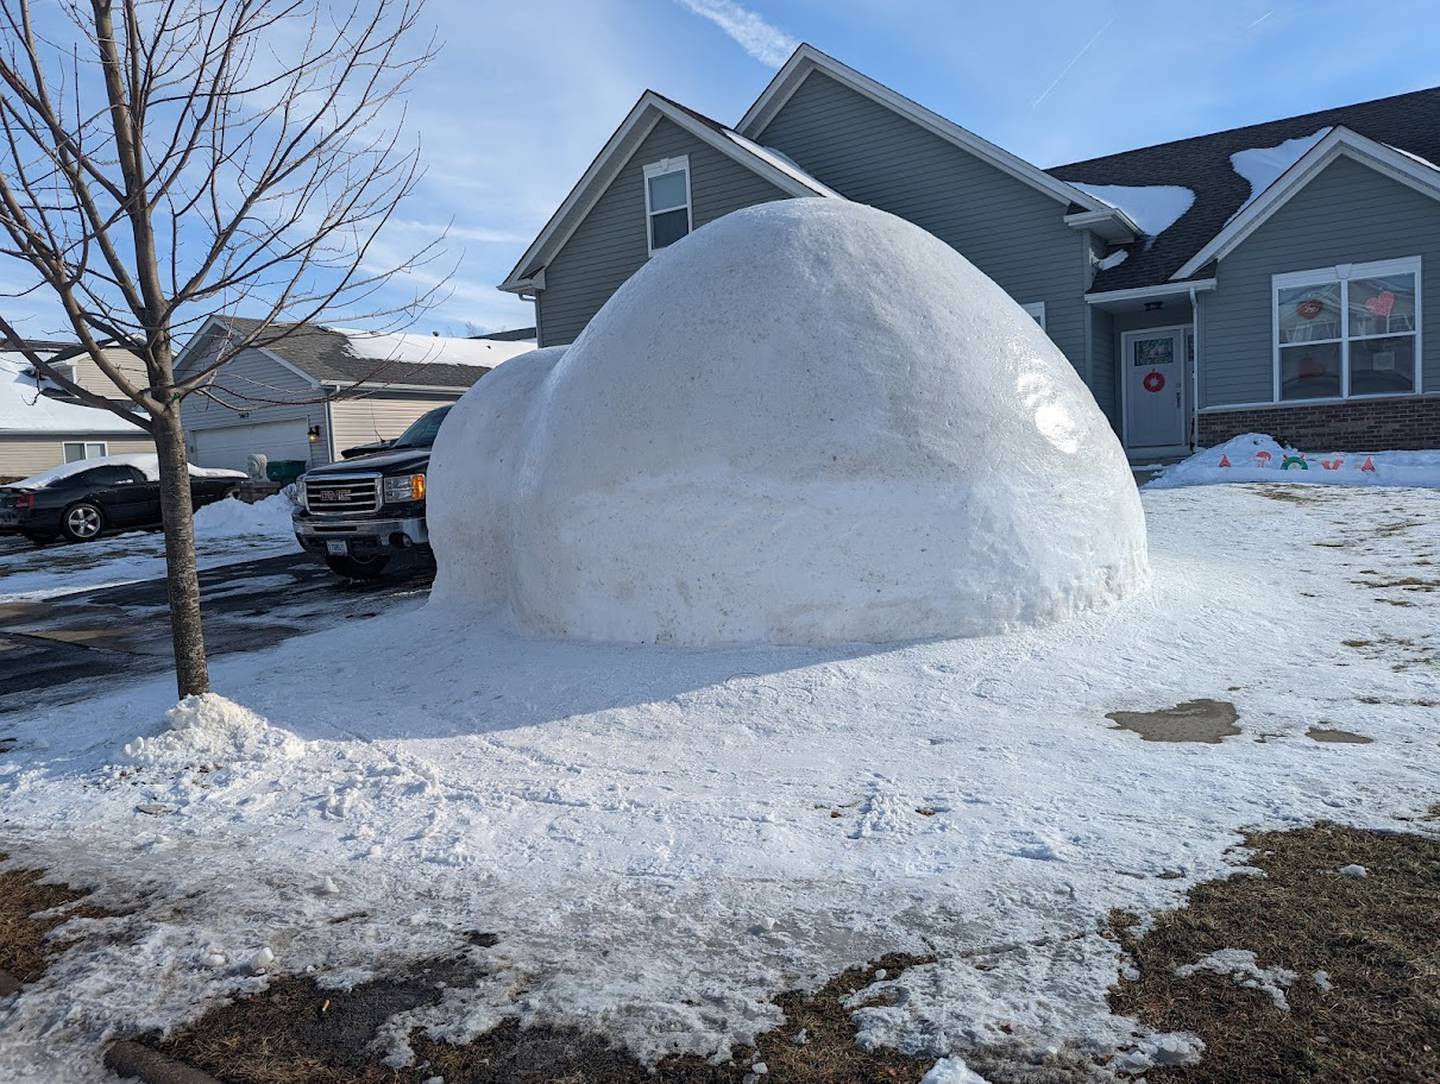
(1262, 459)
(1294, 461)
(1332, 464)
(1224, 460)
(1154, 381)
(1369, 464)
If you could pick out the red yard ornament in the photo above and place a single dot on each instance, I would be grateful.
(1332, 464)
(1262, 459)
(1369, 464)
(1224, 460)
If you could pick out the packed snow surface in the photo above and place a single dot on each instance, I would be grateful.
(664, 839)
(808, 422)
(1262, 166)
(233, 517)
(1152, 207)
(208, 731)
(147, 463)
(417, 349)
(1255, 457)
(24, 409)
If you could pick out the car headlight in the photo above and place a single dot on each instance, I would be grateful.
(407, 487)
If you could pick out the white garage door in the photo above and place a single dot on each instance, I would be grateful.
(234, 444)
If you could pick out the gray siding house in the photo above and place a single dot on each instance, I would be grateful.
(1267, 278)
(317, 391)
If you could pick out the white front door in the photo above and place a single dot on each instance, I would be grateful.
(1154, 379)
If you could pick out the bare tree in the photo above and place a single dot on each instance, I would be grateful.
(165, 160)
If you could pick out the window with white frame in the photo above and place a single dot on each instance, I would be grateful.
(1036, 309)
(76, 450)
(667, 201)
(1351, 330)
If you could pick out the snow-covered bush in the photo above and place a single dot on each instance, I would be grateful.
(810, 421)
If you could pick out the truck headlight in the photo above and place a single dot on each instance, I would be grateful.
(407, 487)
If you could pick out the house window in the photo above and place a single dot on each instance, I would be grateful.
(1036, 309)
(1345, 331)
(76, 450)
(667, 201)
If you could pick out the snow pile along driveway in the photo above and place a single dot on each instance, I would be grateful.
(663, 839)
(1254, 457)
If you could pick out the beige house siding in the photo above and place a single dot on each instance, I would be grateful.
(371, 418)
(87, 374)
(23, 454)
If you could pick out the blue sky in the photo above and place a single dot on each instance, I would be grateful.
(523, 95)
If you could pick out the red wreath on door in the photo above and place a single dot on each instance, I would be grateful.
(1154, 381)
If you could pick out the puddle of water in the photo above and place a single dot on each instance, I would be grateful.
(1206, 721)
(1333, 734)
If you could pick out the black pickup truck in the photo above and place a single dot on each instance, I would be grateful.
(366, 515)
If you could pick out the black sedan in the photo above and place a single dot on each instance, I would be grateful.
(81, 501)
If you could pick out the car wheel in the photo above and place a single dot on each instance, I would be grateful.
(359, 568)
(82, 522)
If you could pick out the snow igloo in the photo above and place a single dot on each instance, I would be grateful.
(808, 422)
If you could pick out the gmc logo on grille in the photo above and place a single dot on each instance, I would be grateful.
(330, 495)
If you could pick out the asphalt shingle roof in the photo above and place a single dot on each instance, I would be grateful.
(1410, 122)
(326, 356)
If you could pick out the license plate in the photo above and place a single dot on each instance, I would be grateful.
(336, 548)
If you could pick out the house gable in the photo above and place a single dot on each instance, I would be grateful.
(1347, 213)
(609, 244)
(1010, 230)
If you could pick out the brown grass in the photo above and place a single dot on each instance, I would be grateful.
(1377, 938)
(296, 1033)
(24, 951)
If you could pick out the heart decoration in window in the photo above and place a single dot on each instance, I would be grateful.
(1310, 309)
(1382, 304)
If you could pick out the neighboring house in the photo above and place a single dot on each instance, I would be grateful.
(42, 426)
(318, 390)
(1265, 278)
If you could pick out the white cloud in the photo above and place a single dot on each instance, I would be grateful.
(767, 44)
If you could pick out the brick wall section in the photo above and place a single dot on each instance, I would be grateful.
(1411, 422)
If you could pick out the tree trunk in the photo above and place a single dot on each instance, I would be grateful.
(192, 671)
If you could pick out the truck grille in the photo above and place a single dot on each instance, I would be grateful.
(353, 494)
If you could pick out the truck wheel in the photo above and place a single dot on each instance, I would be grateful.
(82, 522)
(358, 568)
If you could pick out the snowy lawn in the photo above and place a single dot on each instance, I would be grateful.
(226, 533)
(665, 839)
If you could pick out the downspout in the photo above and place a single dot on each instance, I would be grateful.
(330, 429)
(1195, 370)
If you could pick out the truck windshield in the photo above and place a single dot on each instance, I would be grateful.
(421, 433)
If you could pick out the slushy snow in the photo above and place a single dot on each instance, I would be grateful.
(808, 422)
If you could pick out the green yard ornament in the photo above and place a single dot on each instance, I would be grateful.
(1294, 461)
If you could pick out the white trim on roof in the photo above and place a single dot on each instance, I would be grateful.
(608, 163)
(1395, 164)
(807, 59)
(1139, 293)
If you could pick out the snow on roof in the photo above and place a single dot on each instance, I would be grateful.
(783, 162)
(23, 409)
(417, 349)
(1262, 166)
(1413, 157)
(1152, 207)
(147, 463)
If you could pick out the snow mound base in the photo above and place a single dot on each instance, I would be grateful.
(233, 517)
(211, 730)
(809, 421)
(1255, 457)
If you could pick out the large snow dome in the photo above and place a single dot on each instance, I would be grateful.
(810, 421)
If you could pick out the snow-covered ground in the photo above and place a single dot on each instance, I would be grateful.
(226, 533)
(663, 839)
(1255, 457)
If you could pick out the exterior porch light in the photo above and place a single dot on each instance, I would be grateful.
(1154, 306)
(313, 434)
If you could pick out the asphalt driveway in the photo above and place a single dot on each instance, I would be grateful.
(57, 649)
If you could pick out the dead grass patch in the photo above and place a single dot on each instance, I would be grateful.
(24, 951)
(1374, 937)
(297, 1033)
(1289, 494)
